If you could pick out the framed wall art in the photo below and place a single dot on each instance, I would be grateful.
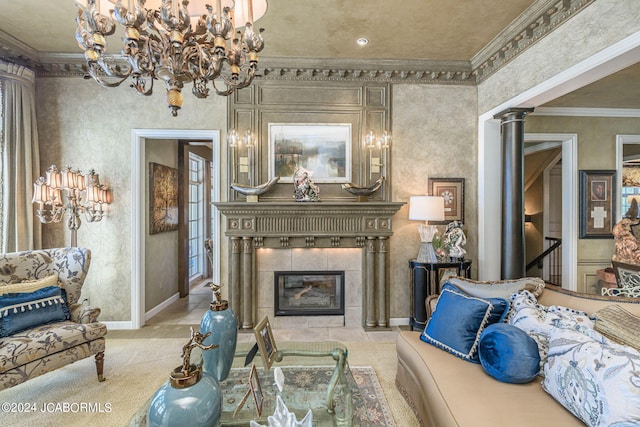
(266, 342)
(452, 189)
(323, 149)
(597, 204)
(163, 198)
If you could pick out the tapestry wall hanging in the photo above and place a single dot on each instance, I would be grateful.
(163, 198)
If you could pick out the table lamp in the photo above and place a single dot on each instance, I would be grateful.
(426, 208)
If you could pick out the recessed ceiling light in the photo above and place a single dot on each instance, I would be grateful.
(362, 41)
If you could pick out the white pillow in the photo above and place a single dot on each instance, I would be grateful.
(594, 378)
(537, 320)
(498, 288)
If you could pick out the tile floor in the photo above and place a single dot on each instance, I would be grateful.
(189, 311)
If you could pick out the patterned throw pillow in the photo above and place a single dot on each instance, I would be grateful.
(459, 319)
(24, 310)
(29, 285)
(537, 320)
(595, 378)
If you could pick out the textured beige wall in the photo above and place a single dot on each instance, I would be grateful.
(598, 26)
(161, 249)
(86, 125)
(596, 150)
(434, 135)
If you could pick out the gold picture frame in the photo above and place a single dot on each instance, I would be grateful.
(163, 198)
(452, 189)
(266, 342)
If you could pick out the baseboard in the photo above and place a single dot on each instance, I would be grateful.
(158, 308)
(398, 321)
(124, 324)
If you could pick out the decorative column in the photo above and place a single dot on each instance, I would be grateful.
(247, 283)
(513, 245)
(369, 287)
(235, 290)
(381, 282)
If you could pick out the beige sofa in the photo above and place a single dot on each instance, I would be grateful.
(42, 348)
(446, 391)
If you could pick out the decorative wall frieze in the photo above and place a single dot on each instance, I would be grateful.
(542, 17)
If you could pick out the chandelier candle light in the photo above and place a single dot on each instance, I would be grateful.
(72, 193)
(162, 44)
(426, 208)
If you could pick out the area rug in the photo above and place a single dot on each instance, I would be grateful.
(370, 407)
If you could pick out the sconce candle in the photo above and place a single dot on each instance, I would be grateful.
(239, 144)
(381, 144)
(72, 193)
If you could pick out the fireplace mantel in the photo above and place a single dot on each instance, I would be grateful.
(365, 225)
(308, 224)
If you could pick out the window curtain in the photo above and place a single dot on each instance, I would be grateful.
(20, 229)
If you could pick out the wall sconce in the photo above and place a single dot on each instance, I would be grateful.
(72, 193)
(241, 147)
(426, 208)
(378, 145)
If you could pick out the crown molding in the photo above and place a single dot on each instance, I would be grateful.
(542, 17)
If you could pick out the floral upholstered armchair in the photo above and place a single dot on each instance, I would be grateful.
(42, 324)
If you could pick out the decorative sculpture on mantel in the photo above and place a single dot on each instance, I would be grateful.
(251, 192)
(304, 190)
(362, 193)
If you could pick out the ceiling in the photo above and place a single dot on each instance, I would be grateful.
(420, 29)
(411, 30)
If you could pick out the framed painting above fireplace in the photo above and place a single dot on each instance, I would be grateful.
(309, 293)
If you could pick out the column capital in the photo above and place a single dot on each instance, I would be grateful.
(509, 113)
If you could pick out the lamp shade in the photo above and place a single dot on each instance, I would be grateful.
(426, 208)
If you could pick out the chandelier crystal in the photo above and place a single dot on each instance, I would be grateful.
(162, 44)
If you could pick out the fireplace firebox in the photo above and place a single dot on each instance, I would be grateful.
(309, 293)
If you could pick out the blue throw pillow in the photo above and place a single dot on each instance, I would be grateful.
(24, 310)
(508, 354)
(459, 319)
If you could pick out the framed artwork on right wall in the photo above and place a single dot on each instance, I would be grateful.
(452, 189)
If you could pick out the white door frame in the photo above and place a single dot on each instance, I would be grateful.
(138, 212)
(611, 59)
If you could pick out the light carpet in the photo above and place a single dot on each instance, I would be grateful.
(134, 369)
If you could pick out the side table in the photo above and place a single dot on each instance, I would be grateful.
(425, 281)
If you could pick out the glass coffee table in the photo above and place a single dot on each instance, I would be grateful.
(316, 377)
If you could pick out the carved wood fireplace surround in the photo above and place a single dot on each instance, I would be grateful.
(366, 225)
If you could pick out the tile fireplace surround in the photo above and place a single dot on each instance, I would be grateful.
(286, 225)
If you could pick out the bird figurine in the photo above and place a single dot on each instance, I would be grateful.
(363, 192)
(249, 190)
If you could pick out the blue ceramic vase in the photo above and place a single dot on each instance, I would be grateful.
(190, 397)
(222, 324)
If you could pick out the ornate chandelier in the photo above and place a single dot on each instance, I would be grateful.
(162, 44)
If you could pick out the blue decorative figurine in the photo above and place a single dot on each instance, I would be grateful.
(221, 325)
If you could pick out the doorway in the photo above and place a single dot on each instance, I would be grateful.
(139, 313)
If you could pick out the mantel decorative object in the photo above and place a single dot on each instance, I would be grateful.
(72, 193)
(220, 326)
(304, 190)
(190, 397)
(362, 193)
(252, 193)
(162, 44)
